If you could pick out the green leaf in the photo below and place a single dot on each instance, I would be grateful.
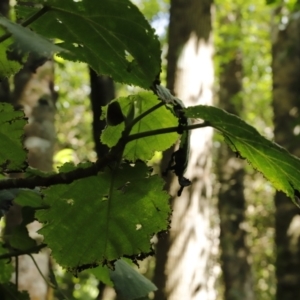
(143, 148)
(113, 37)
(102, 274)
(273, 161)
(128, 283)
(7, 66)
(12, 153)
(26, 41)
(9, 291)
(101, 218)
(6, 267)
(30, 198)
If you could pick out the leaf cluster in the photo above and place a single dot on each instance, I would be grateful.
(95, 213)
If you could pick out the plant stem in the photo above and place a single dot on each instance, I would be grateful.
(164, 131)
(27, 22)
(16, 253)
(140, 117)
(145, 113)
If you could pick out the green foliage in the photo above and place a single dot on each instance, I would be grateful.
(5, 267)
(95, 213)
(273, 161)
(126, 207)
(142, 148)
(12, 153)
(26, 42)
(8, 66)
(129, 283)
(124, 48)
(9, 291)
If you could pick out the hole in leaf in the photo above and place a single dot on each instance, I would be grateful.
(138, 226)
(70, 201)
(128, 56)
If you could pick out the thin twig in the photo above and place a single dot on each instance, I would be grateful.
(27, 22)
(164, 131)
(17, 253)
(79, 173)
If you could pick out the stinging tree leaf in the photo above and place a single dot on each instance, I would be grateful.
(280, 167)
(143, 148)
(96, 220)
(112, 36)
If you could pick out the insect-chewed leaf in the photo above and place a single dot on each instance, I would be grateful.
(161, 118)
(101, 218)
(113, 37)
(114, 115)
(12, 153)
(273, 161)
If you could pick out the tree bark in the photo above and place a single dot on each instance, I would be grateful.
(286, 105)
(34, 91)
(236, 270)
(102, 92)
(185, 256)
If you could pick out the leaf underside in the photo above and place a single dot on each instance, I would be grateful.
(143, 148)
(112, 36)
(99, 219)
(280, 167)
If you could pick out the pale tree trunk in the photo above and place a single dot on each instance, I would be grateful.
(236, 270)
(34, 91)
(185, 258)
(286, 104)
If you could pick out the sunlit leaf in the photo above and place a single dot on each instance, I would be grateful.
(7, 67)
(161, 118)
(102, 274)
(273, 161)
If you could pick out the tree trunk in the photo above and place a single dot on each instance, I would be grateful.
(236, 270)
(286, 105)
(102, 92)
(4, 84)
(185, 257)
(34, 91)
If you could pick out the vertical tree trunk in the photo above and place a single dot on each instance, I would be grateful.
(234, 252)
(184, 267)
(34, 91)
(286, 105)
(4, 84)
(102, 92)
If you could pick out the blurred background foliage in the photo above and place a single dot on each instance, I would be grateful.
(249, 30)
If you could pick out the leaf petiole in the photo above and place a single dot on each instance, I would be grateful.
(164, 131)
